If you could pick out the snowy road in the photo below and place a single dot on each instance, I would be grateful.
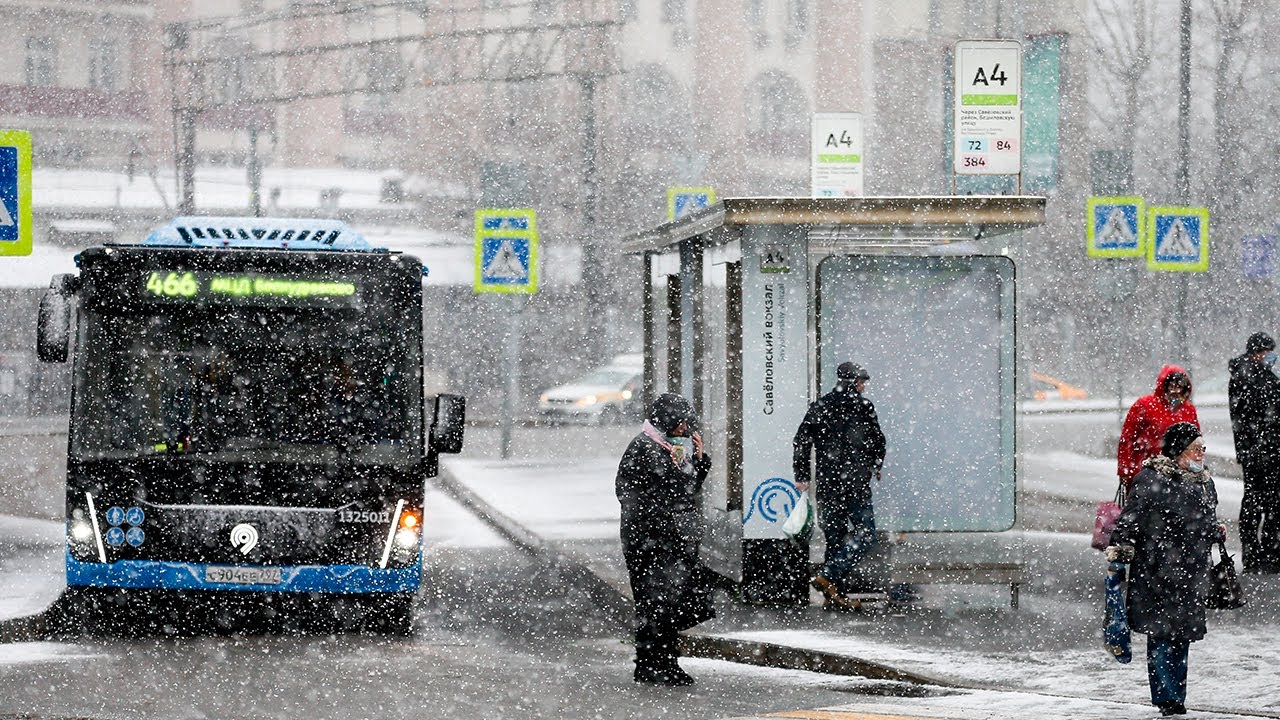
(499, 636)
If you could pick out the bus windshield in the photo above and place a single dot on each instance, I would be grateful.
(241, 381)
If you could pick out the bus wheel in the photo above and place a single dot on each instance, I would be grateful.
(397, 614)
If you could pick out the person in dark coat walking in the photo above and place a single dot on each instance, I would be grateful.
(1254, 400)
(1165, 534)
(658, 484)
(843, 428)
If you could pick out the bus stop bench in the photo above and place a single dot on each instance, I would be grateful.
(964, 573)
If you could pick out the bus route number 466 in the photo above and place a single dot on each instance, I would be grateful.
(172, 284)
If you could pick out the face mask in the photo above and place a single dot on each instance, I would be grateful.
(1175, 401)
(1269, 359)
(1195, 467)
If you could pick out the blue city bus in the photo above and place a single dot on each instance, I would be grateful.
(247, 412)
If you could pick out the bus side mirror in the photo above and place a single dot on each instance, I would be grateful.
(447, 425)
(53, 322)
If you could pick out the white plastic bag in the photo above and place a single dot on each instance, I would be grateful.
(799, 522)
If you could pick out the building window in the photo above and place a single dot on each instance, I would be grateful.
(778, 123)
(673, 11)
(42, 61)
(546, 9)
(657, 109)
(104, 64)
(797, 22)
(756, 25)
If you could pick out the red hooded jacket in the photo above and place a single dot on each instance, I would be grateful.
(1145, 424)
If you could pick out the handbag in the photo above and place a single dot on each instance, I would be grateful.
(1225, 592)
(1105, 519)
(696, 603)
(799, 522)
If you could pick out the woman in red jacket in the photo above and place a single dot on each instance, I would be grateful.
(1149, 417)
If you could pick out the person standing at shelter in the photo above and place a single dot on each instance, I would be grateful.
(1148, 418)
(1254, 399)
(658, 484)
(1165, 534)
(843, 429)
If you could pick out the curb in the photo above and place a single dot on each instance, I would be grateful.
(25, 629)
(754, 652)
(614, 600)
(617, 602)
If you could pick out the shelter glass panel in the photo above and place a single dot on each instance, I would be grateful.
(937, 337)
(714, 373)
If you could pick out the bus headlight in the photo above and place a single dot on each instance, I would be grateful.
(81, 531)
(407, 538)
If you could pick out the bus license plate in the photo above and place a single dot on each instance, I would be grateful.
(242, 575)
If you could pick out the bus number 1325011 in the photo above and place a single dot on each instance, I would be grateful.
(364, 516)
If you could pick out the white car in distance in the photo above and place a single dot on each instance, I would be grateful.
(603, 396)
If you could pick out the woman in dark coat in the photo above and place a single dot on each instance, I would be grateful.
(1165, 533)
(658, 483)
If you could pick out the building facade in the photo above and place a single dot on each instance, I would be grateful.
(587, 110)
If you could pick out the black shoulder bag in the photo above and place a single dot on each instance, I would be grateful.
(1225, 592)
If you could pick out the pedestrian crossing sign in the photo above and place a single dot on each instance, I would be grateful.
(506, 251)
(683, 201)
(15, 192)
(1178, 239)
(1114, 227)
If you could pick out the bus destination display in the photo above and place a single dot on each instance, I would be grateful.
(198, 288)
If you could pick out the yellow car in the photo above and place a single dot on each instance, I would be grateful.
(1046, 387)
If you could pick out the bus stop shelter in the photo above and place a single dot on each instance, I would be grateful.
(751, 303)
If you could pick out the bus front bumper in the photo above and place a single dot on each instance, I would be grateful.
(348, 579)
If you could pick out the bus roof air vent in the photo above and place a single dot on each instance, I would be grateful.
(255, 232)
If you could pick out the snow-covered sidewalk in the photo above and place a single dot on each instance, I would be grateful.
(1232, 671)
(31, 565)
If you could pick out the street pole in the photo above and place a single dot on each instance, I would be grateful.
(187, 162)
(593, 260)
(511, 368)
(1183, 351)
(255, 174)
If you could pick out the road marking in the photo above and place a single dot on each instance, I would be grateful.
(846, 715)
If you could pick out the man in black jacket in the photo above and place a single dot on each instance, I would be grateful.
(658, 482)
(843, 428)
(1254, 398)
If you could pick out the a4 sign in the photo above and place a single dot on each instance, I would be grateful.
(988, 107)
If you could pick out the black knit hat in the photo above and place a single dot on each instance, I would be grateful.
(1259, 342)
(669, 410)
(1177, 438)
(851, 371)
